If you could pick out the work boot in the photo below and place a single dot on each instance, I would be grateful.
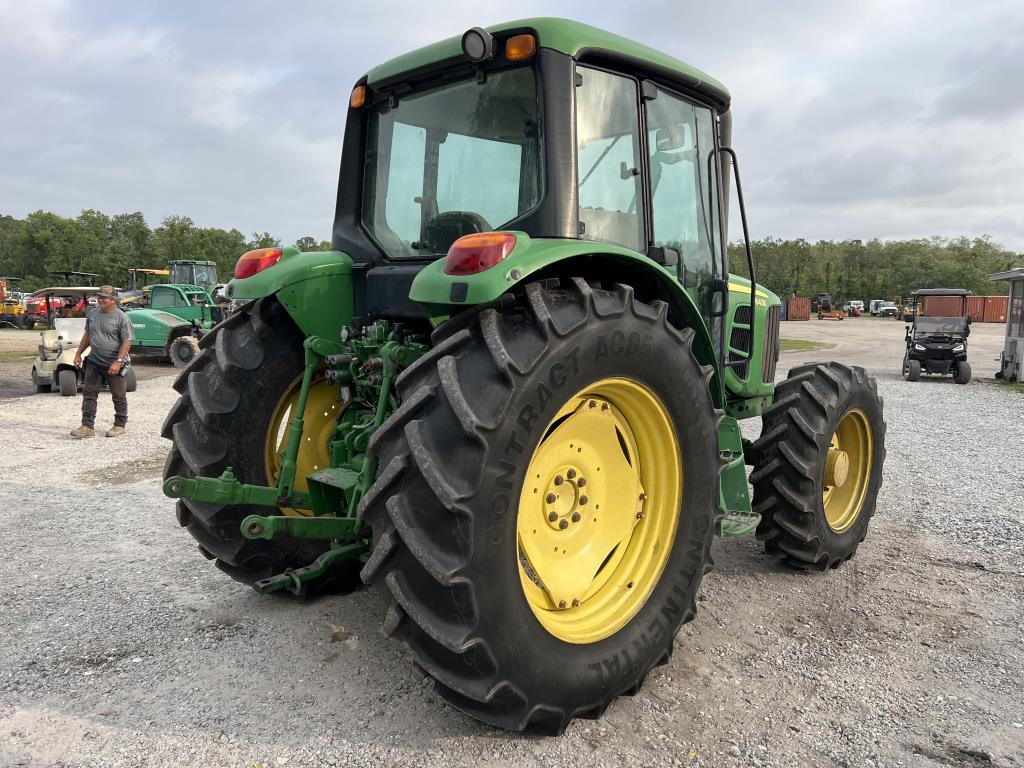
(83, 431)
(116, 431)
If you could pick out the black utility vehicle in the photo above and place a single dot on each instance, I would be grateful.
(938, 344)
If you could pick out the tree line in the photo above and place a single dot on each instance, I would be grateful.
(876, 269)
(44, 242)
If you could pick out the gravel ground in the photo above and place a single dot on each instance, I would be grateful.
(120, 646)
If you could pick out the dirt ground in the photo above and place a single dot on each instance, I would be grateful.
(121, 646)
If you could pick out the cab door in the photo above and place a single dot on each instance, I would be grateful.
(683, 190)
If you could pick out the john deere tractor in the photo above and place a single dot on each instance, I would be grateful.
(509, 397)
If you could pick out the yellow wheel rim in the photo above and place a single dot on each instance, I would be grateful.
(598, 510)
(322, 411)
(846, 471)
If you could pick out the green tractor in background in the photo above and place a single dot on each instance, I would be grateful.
(175, 317)
(509, 397)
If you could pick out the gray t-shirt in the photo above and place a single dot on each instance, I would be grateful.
(107, 330)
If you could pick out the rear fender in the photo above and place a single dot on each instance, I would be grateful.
(315, 287)
(444, 296)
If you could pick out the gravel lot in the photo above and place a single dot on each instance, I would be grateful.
(121, 646)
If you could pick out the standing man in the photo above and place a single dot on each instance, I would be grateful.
(109, 332)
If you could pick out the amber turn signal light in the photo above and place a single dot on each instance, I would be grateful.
(358, 97)
(520, 47)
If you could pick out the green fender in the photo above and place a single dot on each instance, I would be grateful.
(442, 295)
(315, 287)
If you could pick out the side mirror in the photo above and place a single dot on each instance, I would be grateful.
(670, 138)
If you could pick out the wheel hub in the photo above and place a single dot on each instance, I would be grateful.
(591, 543)
(847, 470)
(837, 468)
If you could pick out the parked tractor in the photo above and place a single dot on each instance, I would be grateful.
(171, 326)
(509, 397)
(937, 345)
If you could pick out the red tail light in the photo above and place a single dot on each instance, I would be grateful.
(475, 253)
(256, 261)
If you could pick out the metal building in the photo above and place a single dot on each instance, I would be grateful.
(1012, 360)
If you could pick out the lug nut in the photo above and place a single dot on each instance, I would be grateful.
(643, 497)
(575, 603)
(571, 474)
(563, 524)
(604, 406)
(592, 404)
(558, 480)
(640, 515)
(581, 482)
(552, 516)
(561, 604)
(551, 498)
(575, 517)
(583, 500)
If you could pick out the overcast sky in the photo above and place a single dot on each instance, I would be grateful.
(852, 120)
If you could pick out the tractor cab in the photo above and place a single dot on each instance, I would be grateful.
(937, 337)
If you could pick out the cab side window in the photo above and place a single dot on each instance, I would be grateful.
(684, 199)
(608, 159)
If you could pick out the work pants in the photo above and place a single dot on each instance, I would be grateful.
(95, 376)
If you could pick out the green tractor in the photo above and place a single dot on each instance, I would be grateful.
(510, 397)
(171, 326)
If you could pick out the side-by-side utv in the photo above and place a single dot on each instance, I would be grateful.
(509, 397)
(937, 343)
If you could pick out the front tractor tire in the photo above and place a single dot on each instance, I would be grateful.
(233, 410)
(818, 464)
(547, 497)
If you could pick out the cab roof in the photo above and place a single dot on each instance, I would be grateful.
(569, 37)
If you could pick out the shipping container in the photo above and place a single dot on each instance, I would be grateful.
(995, 308)
(798, 309)
(976, 308)
(943, 306)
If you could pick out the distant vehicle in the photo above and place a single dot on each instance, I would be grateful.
(821, 298)
(938, 345)
(888, 309)
(177, 317)
(54, 365)
(857, 304)
(874, 304)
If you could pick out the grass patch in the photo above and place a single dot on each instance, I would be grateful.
(1013, 386)
(14, 356)
(799, 345)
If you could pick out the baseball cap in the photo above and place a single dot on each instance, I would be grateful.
(108, 291)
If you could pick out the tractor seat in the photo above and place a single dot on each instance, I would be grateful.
(445, 228)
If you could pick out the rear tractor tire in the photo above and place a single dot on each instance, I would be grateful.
(547, 497)
(183, 350)
(818, 464)
(236, 400)
(67, 379)
(962, 372)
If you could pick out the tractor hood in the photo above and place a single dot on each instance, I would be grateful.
(153, 319)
